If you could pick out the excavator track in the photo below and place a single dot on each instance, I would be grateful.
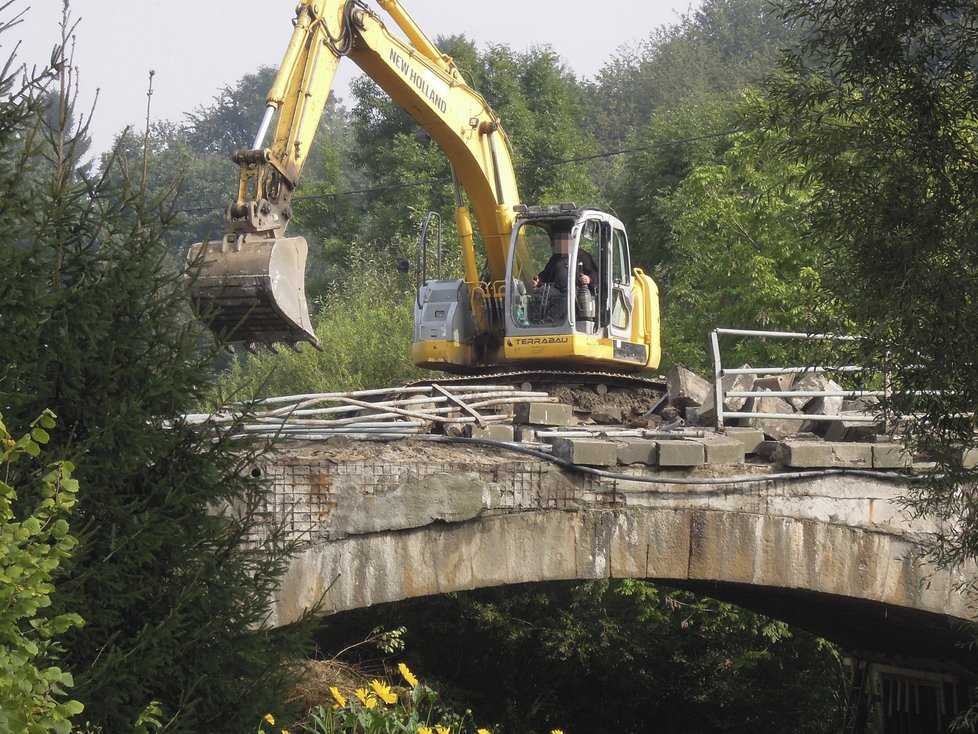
(586, 392)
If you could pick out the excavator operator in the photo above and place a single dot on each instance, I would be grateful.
(555, 271)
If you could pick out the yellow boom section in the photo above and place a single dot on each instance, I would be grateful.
(250, 282)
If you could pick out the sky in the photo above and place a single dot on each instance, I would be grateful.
(197, 47)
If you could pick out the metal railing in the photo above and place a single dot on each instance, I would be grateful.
(720, 372)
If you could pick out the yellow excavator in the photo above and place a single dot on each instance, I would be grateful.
(558, 289)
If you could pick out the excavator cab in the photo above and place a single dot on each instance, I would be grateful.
(573, 297)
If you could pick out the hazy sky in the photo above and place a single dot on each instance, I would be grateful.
(196, 47)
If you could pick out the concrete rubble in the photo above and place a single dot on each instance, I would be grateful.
(678, 431)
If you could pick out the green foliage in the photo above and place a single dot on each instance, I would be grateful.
(741, 252)
(33, 690)
(623, 656)
(717, 50)
(879, 101)
(365, 324)
(97, 326)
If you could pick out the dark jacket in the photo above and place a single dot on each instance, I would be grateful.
(555, 271)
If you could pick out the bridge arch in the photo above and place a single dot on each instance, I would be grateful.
(387, 525)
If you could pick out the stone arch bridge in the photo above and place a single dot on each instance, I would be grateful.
(828, 551)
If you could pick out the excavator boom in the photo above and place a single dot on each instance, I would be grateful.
(250, 282)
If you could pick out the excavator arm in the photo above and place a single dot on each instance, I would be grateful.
(250, 285)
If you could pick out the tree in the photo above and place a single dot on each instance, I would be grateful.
(717, 50)
(878, 100)
(740, 251)
(97, 326)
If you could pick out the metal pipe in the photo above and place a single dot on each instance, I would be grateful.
(786, 334)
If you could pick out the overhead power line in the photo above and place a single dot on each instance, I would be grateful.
(535, 166)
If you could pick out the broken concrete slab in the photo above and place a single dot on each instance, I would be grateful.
(775, 428)
(851, 430)
(545, 414)
(809, 382)
(681, 453)
(686, 388)
(774, 383)
(638, 452)
(606, 414)
(706, 414)
(826, 405)
(587, 451)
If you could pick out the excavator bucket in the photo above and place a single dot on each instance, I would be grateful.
(252, 291)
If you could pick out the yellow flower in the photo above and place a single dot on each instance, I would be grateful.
(482, 731)
(270, 719)
(285, 731)
(363, 694)
(337, 696)
(384, 691)
(425, 730)
(556, 731)
(408, 675)
(443, 729)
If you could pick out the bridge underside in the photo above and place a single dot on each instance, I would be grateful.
(862, 589)
(869, 630)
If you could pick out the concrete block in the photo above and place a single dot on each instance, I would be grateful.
(831, 405)
(846, 430)
(822, 454)
(810, 382)
(807, 454)
(706, 414)
(891, 456)
(686, 388)
(722, 450)
(590, 452)
(969, 458)
(750, 437)
(774, 383)
(494, 432)
(638, 452)
(775, 428)
(524, 433)
(681, 453)
(545, 414)
(606, 414)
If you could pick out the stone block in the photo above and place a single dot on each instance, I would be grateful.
(606, 414)
(775, 428)
(686, 388)
(681, 453)
(527, 434)
(807, 454)
(722, 450)
(774, 383)
(750, 437)
(850, 430)
(545, 414)
(891, 456)
(822, 454)
(591, 452)
(638, 452)
(829, 405)
(809, 382)
(706, 414)
(494, 432)
(969, 458)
